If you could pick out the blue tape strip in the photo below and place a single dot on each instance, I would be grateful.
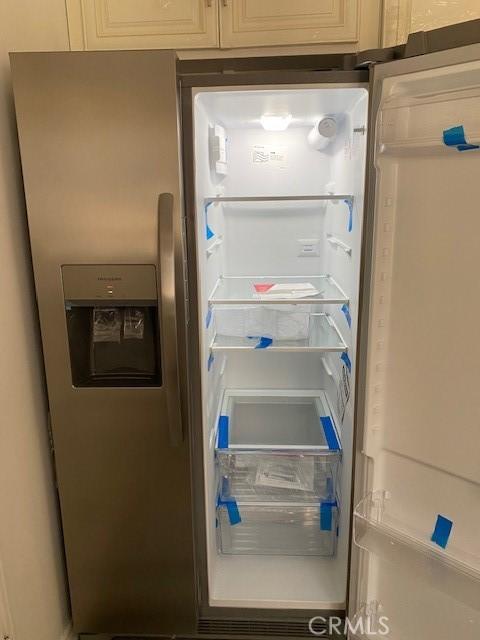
(263, 343)
(344, 357)
(455, 137)
(326, 515)
(209, 233)
(442, 531)
(330, 433)
(346, 313)
(208, 317)
(349, 203)
(210, 361)
(232, 509)
(223, 432)
(233, 512)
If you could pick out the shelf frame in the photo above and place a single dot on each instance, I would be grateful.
(305, 198)
(340, 299)
(279, 348)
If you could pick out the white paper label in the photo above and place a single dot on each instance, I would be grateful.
(268, 155)
(343, 392)
(296, 475)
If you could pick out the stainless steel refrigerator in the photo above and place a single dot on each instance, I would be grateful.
(256, 283)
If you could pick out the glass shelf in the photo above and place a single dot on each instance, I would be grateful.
(323, 336)
(451, 571)
(241, 290)
(300, 198)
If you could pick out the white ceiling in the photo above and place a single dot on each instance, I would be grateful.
(243, 109)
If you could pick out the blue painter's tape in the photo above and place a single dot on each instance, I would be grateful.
(330, 433)
(210, 361)
(232, 509)
(346, 360)
(455, 137)
(233, 512)
(209, 233)
(208, 317)
(442, 531)
(223, 432)
(326, 515)
(263, 343)
(349, 203)
(346, 313)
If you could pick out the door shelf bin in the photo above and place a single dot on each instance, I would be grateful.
(279, 529)
(277, 446)
(379, 531)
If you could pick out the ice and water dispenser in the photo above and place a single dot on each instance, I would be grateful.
(113, 325)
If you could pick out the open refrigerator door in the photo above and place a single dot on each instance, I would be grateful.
(416, 549)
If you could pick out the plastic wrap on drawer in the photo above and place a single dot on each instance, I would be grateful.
(277, 529)
(274, 477)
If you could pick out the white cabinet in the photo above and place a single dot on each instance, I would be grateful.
(143, 24)
(322, 26)
(253, 23)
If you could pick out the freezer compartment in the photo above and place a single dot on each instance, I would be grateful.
(275, 329)
(277, 529)
(277, 477)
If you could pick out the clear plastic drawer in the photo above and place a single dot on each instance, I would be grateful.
(277, 529)
(277, 446)
(275, 477)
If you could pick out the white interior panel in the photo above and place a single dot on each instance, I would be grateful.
(423, 409)
(299, 238)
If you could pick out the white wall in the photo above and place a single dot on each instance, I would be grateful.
(30, 543)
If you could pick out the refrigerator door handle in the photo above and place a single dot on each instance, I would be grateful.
(167, 313)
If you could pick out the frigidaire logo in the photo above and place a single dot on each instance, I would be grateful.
(109, 278)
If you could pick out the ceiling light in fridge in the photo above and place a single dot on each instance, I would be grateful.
(275, 122)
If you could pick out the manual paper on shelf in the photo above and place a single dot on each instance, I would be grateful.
(343, 392)
(286, 475)
(289, 290)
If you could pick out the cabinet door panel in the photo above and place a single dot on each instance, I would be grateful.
(143, 24)
(247, 23)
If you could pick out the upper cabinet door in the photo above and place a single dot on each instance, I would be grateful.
(418, 521)
(142, 24)
(254, 23)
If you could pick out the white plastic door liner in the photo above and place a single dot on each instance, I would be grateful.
(422, 407)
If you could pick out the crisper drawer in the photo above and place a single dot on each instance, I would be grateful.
(263, 476)
(278, 529)
(277, 446)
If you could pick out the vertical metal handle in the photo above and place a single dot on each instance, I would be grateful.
(167, 312)
(209, 3)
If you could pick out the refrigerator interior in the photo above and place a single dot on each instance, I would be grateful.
(251, 230)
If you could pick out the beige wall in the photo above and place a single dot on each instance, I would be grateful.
(30, 547)
(401, 17)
